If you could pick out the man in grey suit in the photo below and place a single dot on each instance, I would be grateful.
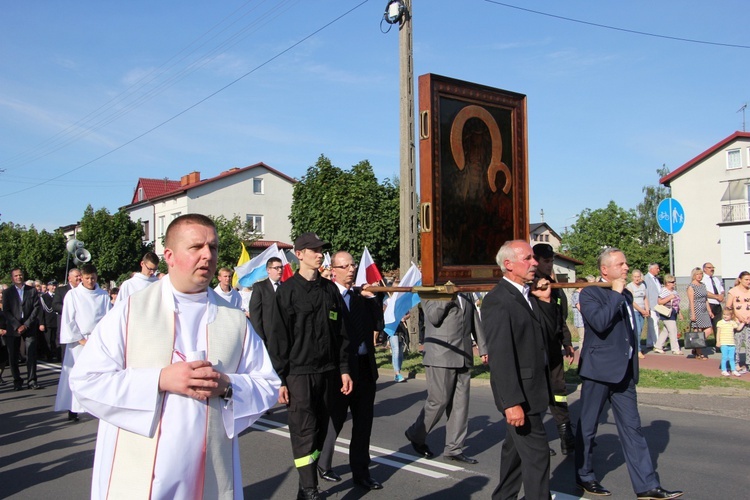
(448, 357)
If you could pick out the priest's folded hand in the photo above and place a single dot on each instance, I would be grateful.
(195, 379)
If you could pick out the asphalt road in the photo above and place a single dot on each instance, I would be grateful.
(698, 442)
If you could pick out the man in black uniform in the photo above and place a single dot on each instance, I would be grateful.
(556, 311)
(48, 322)
(308, 344)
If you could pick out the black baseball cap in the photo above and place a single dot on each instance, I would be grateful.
(543, 250)
(53, 282)
(310, 240)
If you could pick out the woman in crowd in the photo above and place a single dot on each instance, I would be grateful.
(671, 299)
(638, 288)
(700, 311)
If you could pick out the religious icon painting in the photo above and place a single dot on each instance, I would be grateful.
(473, 178)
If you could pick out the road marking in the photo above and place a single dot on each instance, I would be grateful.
(380, 455)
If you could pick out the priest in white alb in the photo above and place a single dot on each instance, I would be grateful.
(140, 280)
(174, 374)
(83, 308)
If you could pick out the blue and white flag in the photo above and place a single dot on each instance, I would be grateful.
(255, 269)
(401, 303)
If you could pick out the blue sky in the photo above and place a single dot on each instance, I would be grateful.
(606, 108)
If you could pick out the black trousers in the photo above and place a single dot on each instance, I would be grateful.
(14, 347)
(310, 397)
(360, 402)
(524, 460)
(559, 406)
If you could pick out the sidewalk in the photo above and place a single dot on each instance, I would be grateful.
(668, 362)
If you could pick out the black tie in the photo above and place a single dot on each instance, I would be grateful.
(713, 284)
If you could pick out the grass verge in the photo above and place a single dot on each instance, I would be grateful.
(648, 378)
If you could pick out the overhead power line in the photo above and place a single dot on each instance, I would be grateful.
(625, 30)
(148, 86)
(134, 139)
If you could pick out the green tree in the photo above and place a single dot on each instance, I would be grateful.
(43, 254)
(611, 226)
(231, 233)
(654, 241)
(10, 248)
(114, 240)
(350, 209)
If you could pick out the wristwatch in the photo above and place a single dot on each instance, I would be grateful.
(227, 396)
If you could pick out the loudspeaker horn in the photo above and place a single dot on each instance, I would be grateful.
(72, 245)
(81, 256)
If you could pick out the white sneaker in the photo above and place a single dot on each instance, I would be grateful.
(658, 351)
(736, 373)
(725, 373)
(742, 371)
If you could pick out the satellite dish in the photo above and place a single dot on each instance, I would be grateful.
(72, 245)
(81, 256)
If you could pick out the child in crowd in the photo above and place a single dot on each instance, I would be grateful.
(725, 339)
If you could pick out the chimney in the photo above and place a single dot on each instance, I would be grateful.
(190, 178)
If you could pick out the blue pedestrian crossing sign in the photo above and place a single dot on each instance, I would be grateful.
(670, 215)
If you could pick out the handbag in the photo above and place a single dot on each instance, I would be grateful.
(695, 339)
(664, 311)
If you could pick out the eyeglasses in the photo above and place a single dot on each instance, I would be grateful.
(347, 266)
(276, 268)
(152, 269)
(670, 282)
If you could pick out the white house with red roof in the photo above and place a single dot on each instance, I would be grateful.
(714, 190)
(257, 193)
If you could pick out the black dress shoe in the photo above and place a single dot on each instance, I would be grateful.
(420, 448)
(462, 458)
(309, 494)
(34, 386)
(657, 493)
(593, 488)
(368, 483)
(329, 475)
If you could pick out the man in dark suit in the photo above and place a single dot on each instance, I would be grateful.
(448, 358)
(360, 320)
(608, 367)
(74, 279)
(515, 333)
(262, 300)
(21, 307)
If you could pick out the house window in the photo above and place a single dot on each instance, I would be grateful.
(141, 195)
(734, 159)
(747, 242)
(146, 232)
(175, 215)
(256, 223)
(161, 225)
(257, 186)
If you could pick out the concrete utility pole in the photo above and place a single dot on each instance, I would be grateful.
(407, 183)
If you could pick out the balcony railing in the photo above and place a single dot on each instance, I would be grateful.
(735, 212)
